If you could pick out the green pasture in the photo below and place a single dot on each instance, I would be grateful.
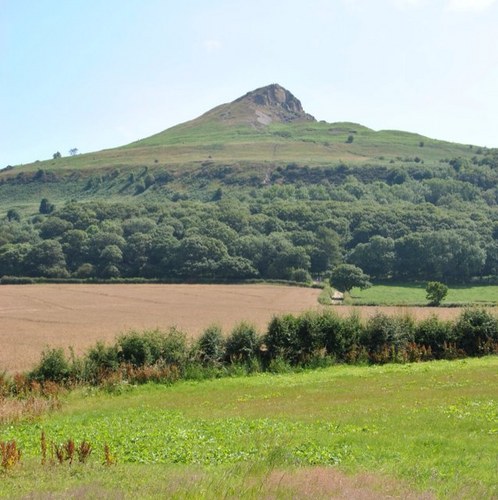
(428, 427)
(415, 295)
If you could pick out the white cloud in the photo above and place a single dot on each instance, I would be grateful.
(468, 5)
(212, 45)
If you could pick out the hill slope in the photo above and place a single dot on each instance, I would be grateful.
(254, 135)
(265, 125)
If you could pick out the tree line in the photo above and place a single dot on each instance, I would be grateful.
(406, 221)
(230, 239)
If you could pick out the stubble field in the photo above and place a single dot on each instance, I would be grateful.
(35, 316)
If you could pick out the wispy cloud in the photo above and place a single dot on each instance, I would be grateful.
(212, 45)
(468, 5)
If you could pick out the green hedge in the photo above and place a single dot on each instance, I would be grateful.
(310, 339)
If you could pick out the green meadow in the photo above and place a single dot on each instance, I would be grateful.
(414, 428)
(407, 294)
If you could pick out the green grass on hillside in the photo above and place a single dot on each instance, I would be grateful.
(312, 143)
(430, 426)
(415, 295)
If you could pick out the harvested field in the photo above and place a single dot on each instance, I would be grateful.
(34, 316)
(417, 312)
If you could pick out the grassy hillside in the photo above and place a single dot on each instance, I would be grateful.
(427, 427)
(267, 126)
(202, 148)
(316, 143)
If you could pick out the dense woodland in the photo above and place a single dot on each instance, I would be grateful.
(401, 220)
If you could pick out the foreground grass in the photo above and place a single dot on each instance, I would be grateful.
(415, 295)
(429, 427)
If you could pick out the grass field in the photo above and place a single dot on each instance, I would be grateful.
(403, 431)
(415, 295)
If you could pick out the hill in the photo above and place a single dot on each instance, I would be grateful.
(257, 188)
(254, 134)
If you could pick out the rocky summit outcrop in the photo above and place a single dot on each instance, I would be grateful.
(261, 107)
(275, 103)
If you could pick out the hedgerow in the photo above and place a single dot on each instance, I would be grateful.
(309, 340)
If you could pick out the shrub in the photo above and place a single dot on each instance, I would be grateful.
(53, 366)
(174, 347)
(149, 180)
(476, 332)
(281, 339)
(300, 275)
(242, 343)
(100, 361)
(279, 365)
(351, 331)
(332, 334)
(86, 270)
(153, 346)
(16, 280)
(434, 333)
(384, 334)
(310, 334)
(135, 348)
(211, 345)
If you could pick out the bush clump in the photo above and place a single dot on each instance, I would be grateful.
(476, 332)
(242, 344)
(436, 334)
(211, 346)
(53, 366)
(100, 362)
(281, 339)
(387, 334)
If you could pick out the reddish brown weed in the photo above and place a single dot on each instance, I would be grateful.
(84, 450)
(59, 452)
(43, 445)
(11, 454)
(108, 458)
(69, 449)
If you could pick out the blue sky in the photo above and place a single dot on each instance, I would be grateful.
(94, 74)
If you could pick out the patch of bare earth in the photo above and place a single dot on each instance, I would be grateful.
(326, 482)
